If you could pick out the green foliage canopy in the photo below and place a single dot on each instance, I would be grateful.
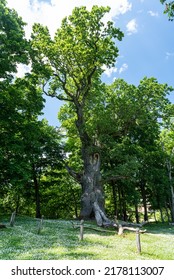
(13, 45)
(77, 53)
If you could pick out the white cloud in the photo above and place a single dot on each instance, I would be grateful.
(132, 26)
(153, 14)
(123, 68)
(169, 55)
(109, 71)
(51, 13)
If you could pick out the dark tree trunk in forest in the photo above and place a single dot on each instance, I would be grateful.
(124, 214)
(120, 204)
(137, 214)
(143, 193)
(17, 203)
(161, 214)
(75, 202)
(169, 167)
(114, 199)
(167, 212)
(37, 194)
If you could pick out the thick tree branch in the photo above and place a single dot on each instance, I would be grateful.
(89, 80)
(63, 83)
(77, 176)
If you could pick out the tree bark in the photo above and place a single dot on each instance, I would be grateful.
(124, 214)
(167, 212)
(137, 214)
(143, 192)
(37, 194)
(114, 199)
(17, 203)
(161, 214)
(92, 200)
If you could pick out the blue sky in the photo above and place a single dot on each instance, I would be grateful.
(147, 48)
(149, 51)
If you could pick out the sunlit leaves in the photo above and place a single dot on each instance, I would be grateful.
(13, 46)
(81, 46)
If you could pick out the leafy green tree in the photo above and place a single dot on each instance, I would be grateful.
(129, 135)
(43, 152)
(137, 112)
(33, 153)
(20, 103)
(13, 45)
(157, 190)
(124, 121)
(13, 50)
(72, 63)
(28, 148)
(60, 195)
(169, 8)
(167, 139)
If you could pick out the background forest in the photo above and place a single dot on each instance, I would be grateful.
(118, 136)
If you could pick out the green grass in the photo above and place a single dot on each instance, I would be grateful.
(59, 241)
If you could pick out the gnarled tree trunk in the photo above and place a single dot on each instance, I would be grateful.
(92, 200)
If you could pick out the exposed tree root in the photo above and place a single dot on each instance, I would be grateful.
(121, 226)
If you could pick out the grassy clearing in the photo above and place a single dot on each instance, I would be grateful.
(59, 241)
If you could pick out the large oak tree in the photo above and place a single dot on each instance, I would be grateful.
(71, 64)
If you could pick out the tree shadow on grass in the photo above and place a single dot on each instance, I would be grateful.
(160, 228)
(45, 255)
(56, 241)
(59, 241)
(77, 256)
